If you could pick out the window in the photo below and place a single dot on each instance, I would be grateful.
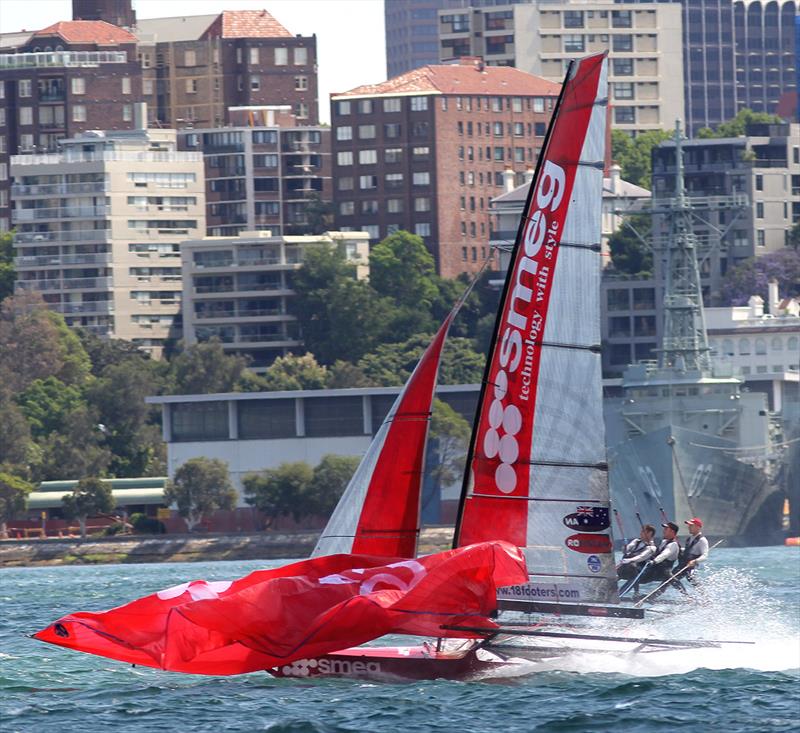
(622, 43)
(497, 104)
(419, 104)
(574, 42)
(189, 58)
(147, 87)
(391, 105)
(253, 57)
(394, 206)
(344, 158)
(623, 90)
(3, 171)
(343, 108)
(538, 104)
(281, 56)
(365, 106)
(392, 130)
(344, 133)
(623, 67)
(519, 129)
(347, 208)
(127, 112)
(420, 129)
(345, 183)
(126, 85)
(499, 153)
(78, 85)
(497, 129)
(421, 152)
(422, 178)
(373, 231)
(301, 83)
(573, 19)
(422, 229)
(393, 155)
(759, 182)
(300, 56)
(255, 83)
(191, 86)
(367, 157)
(26, 115)
(422, 203)
(621, 19)
(266, 418)
(394, 180)
(2, 116)
(25, 87)
(366, 132)
(759, 210)
(366, 183)
(301, 110)
(625, 115)
(744, 347)
(761, 239)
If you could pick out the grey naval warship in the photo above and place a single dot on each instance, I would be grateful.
(680, 436)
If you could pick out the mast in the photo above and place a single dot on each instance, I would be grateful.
(685, 343)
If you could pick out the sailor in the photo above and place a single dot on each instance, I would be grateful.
(636, 553)
(694, 551)
(660, 567)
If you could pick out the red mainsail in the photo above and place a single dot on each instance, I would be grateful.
(305, 609)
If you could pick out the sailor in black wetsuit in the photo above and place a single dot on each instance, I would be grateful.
(694, 551)
(637, 552)
(660, 567)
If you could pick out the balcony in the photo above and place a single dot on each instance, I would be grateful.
(33, 286)
(87, 283)
(56, 189)
(106, 156)
(27, 261)
(100, 307)
(61, 59)
(52, 95)
(78, 235)
(71, 212)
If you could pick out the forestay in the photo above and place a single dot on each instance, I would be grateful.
(536, 473)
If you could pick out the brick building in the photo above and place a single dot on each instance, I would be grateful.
(196, 68)
(427, 150)
(62, 80)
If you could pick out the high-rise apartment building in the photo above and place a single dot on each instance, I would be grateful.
(196, 68)
(427, 150)
(116, 12)
(237, 289)
(62, 80)
(643, 40)
(270, 175)
(98, 230)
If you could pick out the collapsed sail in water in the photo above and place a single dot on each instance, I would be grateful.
(536, 472)
(306, 609)
(378, 513)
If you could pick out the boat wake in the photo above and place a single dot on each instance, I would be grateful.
(731, 606)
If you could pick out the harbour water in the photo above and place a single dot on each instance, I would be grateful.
(753, 595)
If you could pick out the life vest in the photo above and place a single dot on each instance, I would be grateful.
(666, 564)
(687, 554)
(635, 550)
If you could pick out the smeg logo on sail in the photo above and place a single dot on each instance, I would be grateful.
(532, 276)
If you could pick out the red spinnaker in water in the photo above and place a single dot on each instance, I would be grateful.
(302, 610)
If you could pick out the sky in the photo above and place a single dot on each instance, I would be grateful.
(350, 33)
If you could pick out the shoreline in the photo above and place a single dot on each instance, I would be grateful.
(180, 548)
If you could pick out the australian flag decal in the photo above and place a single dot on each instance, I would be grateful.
(588, 519)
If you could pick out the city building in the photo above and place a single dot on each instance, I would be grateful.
(60, 81)
(412, 28)
(98, 230)
(268, 175)
(237, 289)
(254, 431)
(762, 347)
(427, 150)
(196, 68)
(116, 12)
(643, 40)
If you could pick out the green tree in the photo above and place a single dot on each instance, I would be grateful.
(78, 450)
(737, 127)
(319, 214)
(630, 254)
(794, 237)
(16, 447)
(76, 366)
(7, 273)
(104, 352)
(205, 368)
(340, 317)
(200, 486)
(13, 496)
(343, 374)
(295, 372)
(330, 479)
(90, 497)
(47, 403)
(280, 492)
(130, 425)
(449, 432)
(634, 155)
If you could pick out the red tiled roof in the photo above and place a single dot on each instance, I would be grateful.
(88, 31)
(246, 24)
(460, 79)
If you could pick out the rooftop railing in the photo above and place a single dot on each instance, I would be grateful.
(61, 59)
(101, 156)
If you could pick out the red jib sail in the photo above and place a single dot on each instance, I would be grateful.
(537, 475)
(306, 609)
(378, 513)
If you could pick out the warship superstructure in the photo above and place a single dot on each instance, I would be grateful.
(685, 437)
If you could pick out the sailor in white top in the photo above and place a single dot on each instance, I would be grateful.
(660, 567)
(695, 550)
